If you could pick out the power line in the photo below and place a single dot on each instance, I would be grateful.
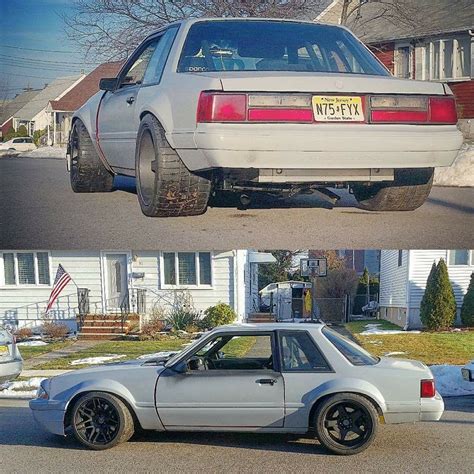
(44, 68)
(43, 61)
(40, 50)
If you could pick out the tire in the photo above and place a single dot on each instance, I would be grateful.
(101, 421)
(165, 187)
(88, 173)
(407, 192)
(359, 412)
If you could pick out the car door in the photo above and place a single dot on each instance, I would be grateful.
(118, 119)
(230, 383)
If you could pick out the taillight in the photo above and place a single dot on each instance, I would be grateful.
(427, 389)
(413, 109)
(217, 107)
(443, 110)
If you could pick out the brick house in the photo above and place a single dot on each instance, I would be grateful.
(438, 45)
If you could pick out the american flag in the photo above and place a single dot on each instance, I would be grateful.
(61, 280)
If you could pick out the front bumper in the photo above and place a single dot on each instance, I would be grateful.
(312, 146)
(49, 415)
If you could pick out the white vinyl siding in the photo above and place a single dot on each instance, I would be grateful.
(393, 279)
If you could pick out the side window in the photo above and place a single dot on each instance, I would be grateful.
(157, 62)
(28, 140)
(137, 70)
(299, 353)
(236, 352)
(18, 140)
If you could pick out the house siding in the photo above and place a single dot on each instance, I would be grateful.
(385, 54)
(393, 287)
(6, 127)
(464, 93)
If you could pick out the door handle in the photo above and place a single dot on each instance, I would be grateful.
(130, 100)
(267, 381)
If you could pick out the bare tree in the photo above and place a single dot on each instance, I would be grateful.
(111, 29)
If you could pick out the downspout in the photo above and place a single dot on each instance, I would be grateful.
(407, 290)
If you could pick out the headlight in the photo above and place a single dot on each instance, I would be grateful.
(43, 390)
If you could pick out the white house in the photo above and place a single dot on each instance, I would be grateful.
(117, 277)
(403, 275)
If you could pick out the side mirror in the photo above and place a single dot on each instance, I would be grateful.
(180, 368)
(108, 84)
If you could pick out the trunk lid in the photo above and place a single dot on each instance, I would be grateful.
(282, 81)
(405, 364)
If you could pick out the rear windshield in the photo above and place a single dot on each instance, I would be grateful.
(350, 350)
(213, 46)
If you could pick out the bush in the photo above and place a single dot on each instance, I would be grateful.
(23, 333)
(54, 330)
(467, 309)
(218, 315)
(438, 306)
(181, 318)
(153, 326)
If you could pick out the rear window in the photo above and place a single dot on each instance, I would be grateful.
(350, 350)
(213, 46)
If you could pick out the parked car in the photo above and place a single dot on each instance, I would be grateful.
(11, 362)
(19, 144)
(265, 378)
(468, 372)
(207, 106)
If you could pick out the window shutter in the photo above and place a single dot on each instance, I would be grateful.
(204, 268)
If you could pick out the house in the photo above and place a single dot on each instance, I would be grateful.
(359, 260)
(33, 115)
(108, 282)
(435, 44)
(62, 109)
(403, 275)
(9, 109)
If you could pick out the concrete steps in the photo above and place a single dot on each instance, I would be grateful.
(260, 318)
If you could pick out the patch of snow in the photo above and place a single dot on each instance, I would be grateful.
(32, 343)
(24, 389)
(96, 360)
(46, 152)
(461, 172)
(449, 381)
(394, 353)
(157, 354)
(374, 329)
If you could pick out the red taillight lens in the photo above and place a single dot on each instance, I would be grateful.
(443, 110)
(427, 389)
(217, 107)
(399, 116)
(280, 115)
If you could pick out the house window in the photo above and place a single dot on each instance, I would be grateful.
(458, 257)
(403, 63)
(26, 268)
(187, 269)
(400, 258)
(442, 59)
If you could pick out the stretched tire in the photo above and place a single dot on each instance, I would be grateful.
(88, 174)
(346, 423)
(407, 192)
(165, 187)
(101, 421)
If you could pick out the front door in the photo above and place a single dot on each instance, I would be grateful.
(116, 285)
(229, 383)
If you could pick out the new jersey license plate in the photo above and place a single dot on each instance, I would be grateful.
(335, 108)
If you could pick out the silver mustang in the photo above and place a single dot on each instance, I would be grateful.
(220, 106)
(267, 378)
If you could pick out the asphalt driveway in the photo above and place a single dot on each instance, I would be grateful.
(39, 210)
(445, 446)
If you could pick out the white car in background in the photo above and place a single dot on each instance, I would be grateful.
(245, 105)
(19, 144)
(11, 362)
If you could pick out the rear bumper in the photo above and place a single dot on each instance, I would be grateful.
(49, 415)
(10, 370)
(428, 409)
(310, 146)
(432, 408)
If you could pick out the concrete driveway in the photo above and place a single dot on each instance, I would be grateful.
(445, 446)
(39, 210)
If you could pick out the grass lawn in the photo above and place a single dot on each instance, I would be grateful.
(429, 347)
(131, 350)
(32, 351)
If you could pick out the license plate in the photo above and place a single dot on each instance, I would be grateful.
(335, 108)
(4, 349)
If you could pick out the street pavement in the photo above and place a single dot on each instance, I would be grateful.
(39, 210)
(445, 446)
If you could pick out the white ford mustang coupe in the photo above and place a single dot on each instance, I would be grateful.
(211, 106)
(266, 378)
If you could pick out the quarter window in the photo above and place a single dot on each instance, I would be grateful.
(187, 269)
(26, 268)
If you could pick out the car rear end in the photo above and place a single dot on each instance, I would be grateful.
(11, 362)
(306, 103)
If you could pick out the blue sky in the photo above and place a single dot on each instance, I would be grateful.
(35, 24)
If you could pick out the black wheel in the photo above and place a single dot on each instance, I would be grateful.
(346, 423)
(408, 191)
(165, 187)
(88, 173)
(101, 421)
